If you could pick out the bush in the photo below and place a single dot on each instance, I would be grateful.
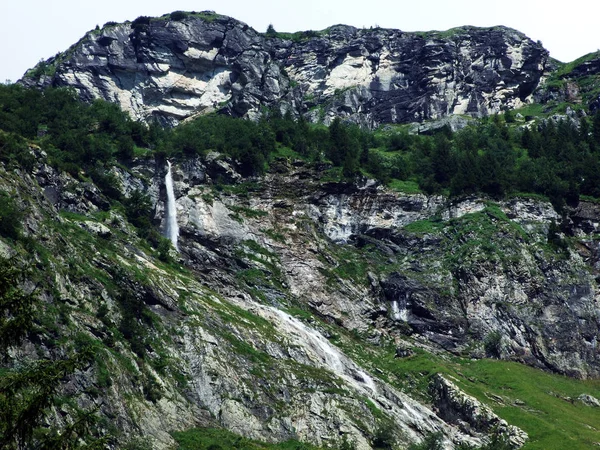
(493, 344)
(10, 217)
(384, 437)
(433, 441)
(178, 15)
(141, 22)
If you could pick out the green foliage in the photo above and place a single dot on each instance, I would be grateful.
(138, 209)
(493, 344)
(220, 439)
(425, 226)
(249, 143)
(495, 157)
(164, 249)
(26, 395)
(136, 318)
(16, 307)
(10, 217)
(178, 15)
(384, 438)
(75, 135)
(271, 31)
(433, 441)
(555, 238)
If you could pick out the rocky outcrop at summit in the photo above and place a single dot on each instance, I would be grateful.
(170, 70)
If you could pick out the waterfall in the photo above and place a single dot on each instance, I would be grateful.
(400, 314)
(415, 419)
(172, 229)
(396, 310)
(331, 357)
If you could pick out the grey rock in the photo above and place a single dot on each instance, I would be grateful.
(589, 400)
(469, 413)
(174, 70)
(404, 351)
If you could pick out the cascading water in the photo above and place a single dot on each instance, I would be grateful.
(172, 229)
(396, 311)
(400, 309)
(416, 419)
(331, 357)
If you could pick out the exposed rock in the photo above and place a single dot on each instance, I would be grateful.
(175, 69)
(403, 351)
(96, 228)
(253, 368)
(469, 413)
(589, 400)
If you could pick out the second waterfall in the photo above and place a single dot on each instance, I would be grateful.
(172, 229)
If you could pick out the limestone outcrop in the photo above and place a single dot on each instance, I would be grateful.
(171, 70)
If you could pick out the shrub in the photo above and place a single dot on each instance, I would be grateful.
(10, 217)
(384, 437)
(178, 15)
(433, 441)
(493, 344)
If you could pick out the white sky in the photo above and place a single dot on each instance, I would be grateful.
(31, 30)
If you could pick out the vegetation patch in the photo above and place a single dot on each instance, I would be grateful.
(220, 439)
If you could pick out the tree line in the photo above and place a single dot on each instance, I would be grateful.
(496, 156)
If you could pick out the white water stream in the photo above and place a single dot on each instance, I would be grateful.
(415, 419)
(331, 357)
(395, 310)
(397, 313)
(172, 230)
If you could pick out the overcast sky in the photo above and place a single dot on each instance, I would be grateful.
(37, 29)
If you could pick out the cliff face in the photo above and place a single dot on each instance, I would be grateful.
(174, 69)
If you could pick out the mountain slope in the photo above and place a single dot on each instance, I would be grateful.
(205, 341)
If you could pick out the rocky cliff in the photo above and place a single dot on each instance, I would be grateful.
(176, 66)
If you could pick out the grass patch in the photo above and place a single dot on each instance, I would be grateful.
(429, 226)
(405, 186)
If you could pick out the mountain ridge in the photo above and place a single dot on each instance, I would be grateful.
(173, 69)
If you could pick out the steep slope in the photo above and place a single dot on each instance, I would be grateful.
(207, 341)
(576, 83)
(176, 348)
(179, 65)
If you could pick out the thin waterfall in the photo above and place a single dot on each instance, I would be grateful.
(396, 311)
(172, 231)
(331, 357)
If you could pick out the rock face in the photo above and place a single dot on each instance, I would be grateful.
(171, 70)
(469, 413)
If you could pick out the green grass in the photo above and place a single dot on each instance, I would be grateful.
(220, 439)
(287, 153)
(567, 68)
(534, 400)
(406, 187)
(428, 226)
(535, 110)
